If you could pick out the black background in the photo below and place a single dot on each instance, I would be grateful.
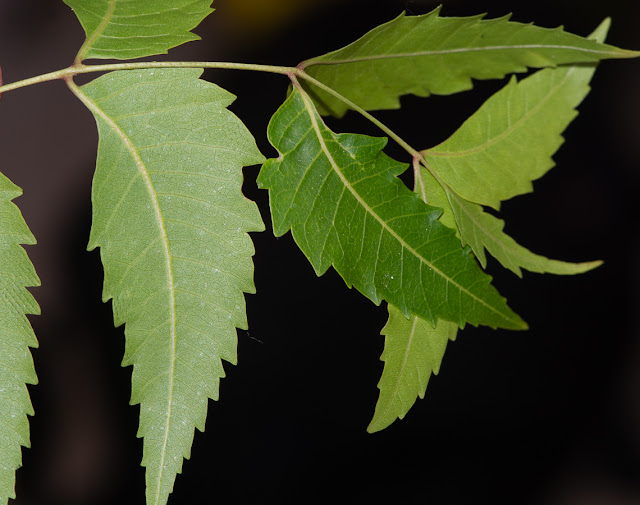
(548, 416)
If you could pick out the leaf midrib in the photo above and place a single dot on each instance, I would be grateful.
(98, 32)
(91, 105)
(403, 366)
(533, 258)
(458, 50)
(311, 111)
(508, 131)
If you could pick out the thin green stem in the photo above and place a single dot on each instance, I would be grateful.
(291, 72)
(418, 156)
(86, 69)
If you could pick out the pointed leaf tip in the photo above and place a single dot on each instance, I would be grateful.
(172, 224)
(413, 350)
(441, 55)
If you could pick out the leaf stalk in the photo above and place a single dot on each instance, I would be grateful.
(87, 69)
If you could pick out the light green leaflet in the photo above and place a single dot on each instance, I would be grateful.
(126, 29)
(171, 223)
(482, 230)
(492, 157)
(345, 206)
(429, 54)
(413, 349)
(541, 105)
(16, 336)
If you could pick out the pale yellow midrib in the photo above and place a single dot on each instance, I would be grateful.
(440, 52)
(94, 36)
(507, 131)
(165, 243)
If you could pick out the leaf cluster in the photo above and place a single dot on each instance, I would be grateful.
(172, 224)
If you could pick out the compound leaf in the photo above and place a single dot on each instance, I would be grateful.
(413, 349)
(126, 29)
(342, 200)
(16, 336)
(429, 54)
(171, 223)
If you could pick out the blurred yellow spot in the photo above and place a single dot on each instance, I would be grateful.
(254, 17)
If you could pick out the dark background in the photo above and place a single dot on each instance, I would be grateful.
(548, 416)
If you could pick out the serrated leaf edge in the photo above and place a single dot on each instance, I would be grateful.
(620, 53)
(314, 121)
(583, 266)
(93, 107)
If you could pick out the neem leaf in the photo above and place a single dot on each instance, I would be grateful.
(16, 336)
(171, 223)
(509, 141)
(413, 349)
(126, 29)
(342, 200)
(482, 230)
(429, 54)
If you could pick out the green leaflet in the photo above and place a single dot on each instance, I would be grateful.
(126, 29)
(492, 156)
(412, 350)
(16, 336)
(340, 197)
(497, 164)
(428, 54)
(171, 223)
(481, 230)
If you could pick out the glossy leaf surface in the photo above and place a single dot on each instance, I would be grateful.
(342, 200)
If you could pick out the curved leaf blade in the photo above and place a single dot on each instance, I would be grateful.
(16, 336)
(172, 226)
(429, 54)
(126, 29)
(480, 230)
(492, 156)
(413, 350)
(341, 199)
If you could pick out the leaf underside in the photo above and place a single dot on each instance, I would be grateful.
(16, 336)
(126, 29)
(345, 206)
(429, 54)
(171, 223)
(492, 157)
(413, 350)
